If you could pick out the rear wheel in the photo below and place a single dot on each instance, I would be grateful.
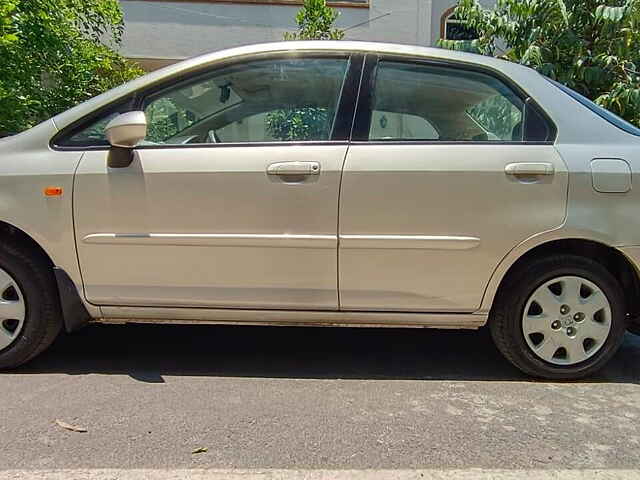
(560, 317)
(30, 316)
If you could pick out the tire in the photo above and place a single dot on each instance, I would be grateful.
(36, 288)
(526, 285)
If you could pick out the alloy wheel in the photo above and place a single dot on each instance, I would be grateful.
(566, 320)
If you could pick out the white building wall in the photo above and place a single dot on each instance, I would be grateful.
(178, 30)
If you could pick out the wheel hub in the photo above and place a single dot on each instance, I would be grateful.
(566, 320)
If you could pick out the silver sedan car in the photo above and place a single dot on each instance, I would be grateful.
(329, 183)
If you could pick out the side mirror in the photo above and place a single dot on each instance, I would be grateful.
(124, 132)
(127, 129)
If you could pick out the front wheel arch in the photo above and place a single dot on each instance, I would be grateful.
(11, 233)
(74, 312)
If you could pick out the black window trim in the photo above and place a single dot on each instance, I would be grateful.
(342, 124)
(364, 111)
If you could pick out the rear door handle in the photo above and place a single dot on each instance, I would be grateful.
(524, 168)
(294, 168)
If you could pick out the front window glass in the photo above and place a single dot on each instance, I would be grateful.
(443, 104)
(93, 135)
(261, 101)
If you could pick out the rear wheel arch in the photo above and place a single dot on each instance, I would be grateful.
(612, 259)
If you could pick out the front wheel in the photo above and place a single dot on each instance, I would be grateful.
(559, 317)
(30, 316)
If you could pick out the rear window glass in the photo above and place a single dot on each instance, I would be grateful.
(420, 102)
(598, 110)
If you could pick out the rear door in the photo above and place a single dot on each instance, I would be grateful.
(450, 167)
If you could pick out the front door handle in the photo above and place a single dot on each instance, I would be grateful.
(294, 168)
(529, 168)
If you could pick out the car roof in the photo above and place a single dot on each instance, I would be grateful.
(202, 61)
(351, 46)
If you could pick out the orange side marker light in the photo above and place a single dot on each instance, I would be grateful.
(53, 191)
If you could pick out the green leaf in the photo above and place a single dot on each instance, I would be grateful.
(562, 7)
(610, 14)
(532, 56)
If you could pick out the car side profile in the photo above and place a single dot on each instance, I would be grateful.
(329, 183)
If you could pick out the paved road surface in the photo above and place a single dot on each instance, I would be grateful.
(309, 398)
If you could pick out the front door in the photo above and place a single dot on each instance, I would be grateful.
(444, 177)
(231, 202)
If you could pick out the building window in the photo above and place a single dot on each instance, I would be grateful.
(452, 28)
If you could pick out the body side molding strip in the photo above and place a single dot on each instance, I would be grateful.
(214, 239)
(415, 242)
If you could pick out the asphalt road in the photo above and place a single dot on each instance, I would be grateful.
(309, 398)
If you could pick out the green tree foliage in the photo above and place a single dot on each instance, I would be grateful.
(496, 115)
(315, 22)
(165, 120)
(55, 54)
(593, 46)
(308, 123)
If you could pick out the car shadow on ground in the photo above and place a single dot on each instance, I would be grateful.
(148, 352)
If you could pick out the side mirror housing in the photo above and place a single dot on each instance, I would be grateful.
(127, 129)
(124, 132)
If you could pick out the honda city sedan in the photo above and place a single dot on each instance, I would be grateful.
(329, 183)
